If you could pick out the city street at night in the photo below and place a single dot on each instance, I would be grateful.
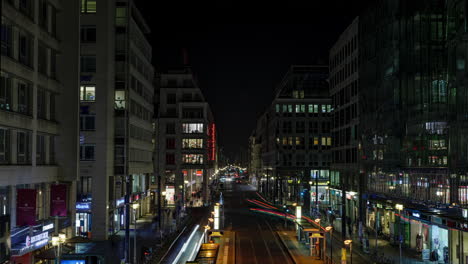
(234, 132)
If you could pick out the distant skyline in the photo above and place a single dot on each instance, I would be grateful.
(239, 65)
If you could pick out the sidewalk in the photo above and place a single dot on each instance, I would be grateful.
(383, 246)
(298, 251)
(227, 249)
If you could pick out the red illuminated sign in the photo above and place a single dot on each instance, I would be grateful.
(211, 142)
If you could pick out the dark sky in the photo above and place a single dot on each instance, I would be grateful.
(239, 52)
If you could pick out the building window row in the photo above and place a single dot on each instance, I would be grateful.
(24, 51)
(141, 90)
(45, 147)
(47, 13)
(344, 95)
(192, 143)
(192, 128)
(345, 51)
(140, 133)
(346, 71)
(139, 155)
(192, 158)
(141, 66)
(302, 108)
(140, 111)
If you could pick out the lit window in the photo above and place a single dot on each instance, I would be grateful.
(192, 158)
(301, 94)
(290, 108)
(329, 141)
(119, 100)
(285, 108)
(298, 141)
(311, 108)
(316, 107)
(290, 141)
(285, 140)
(192, 128)
(295, 94)
(298, 108)
(302, 108)
(87, 93)
(277, 108)
(192, 143)
(316, 140)
(88, 6)
(324, 141)
(324, 108)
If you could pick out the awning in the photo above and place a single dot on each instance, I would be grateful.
(50, 253)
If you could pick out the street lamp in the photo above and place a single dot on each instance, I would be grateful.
(330, 230)
(350, 243)
(399, 207)
(135, 207)
(57, 241)
(207, 227)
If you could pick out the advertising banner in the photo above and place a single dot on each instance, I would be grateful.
(25, 207)
(58, 200)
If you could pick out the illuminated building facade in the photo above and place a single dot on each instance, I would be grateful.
(187, 152)
(294, 135)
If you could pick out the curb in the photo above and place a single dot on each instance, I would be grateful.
(291, 256)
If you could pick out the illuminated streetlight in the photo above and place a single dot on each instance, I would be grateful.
(135, 207)
(350, 243)
(399, 207)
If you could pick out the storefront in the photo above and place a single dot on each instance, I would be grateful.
(439, 244)
(420, 231)
(83, 219)
(25, 243)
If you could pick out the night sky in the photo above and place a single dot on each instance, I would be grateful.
(239, 52)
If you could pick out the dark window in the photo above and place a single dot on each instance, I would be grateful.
(87, 152)
(4, 146)
(53, 64)
(24, 98)
(171, 98)
(170, 159)
(87, 122)
(25, 49)
(170, 128)
(52, 150)
(41, 104)
(170, 143)
(6, 40)
(27, 8)
(88, 34)
(5, 92)
(88, 63)
(23, 147)
(42, 59)
(40, 149)
(43, 8)
(171, 83)
(53, 22)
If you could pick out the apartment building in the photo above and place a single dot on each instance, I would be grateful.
(187, 153)
(39, 106)
(116, 117)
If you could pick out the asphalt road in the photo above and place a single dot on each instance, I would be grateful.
(256, 240)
